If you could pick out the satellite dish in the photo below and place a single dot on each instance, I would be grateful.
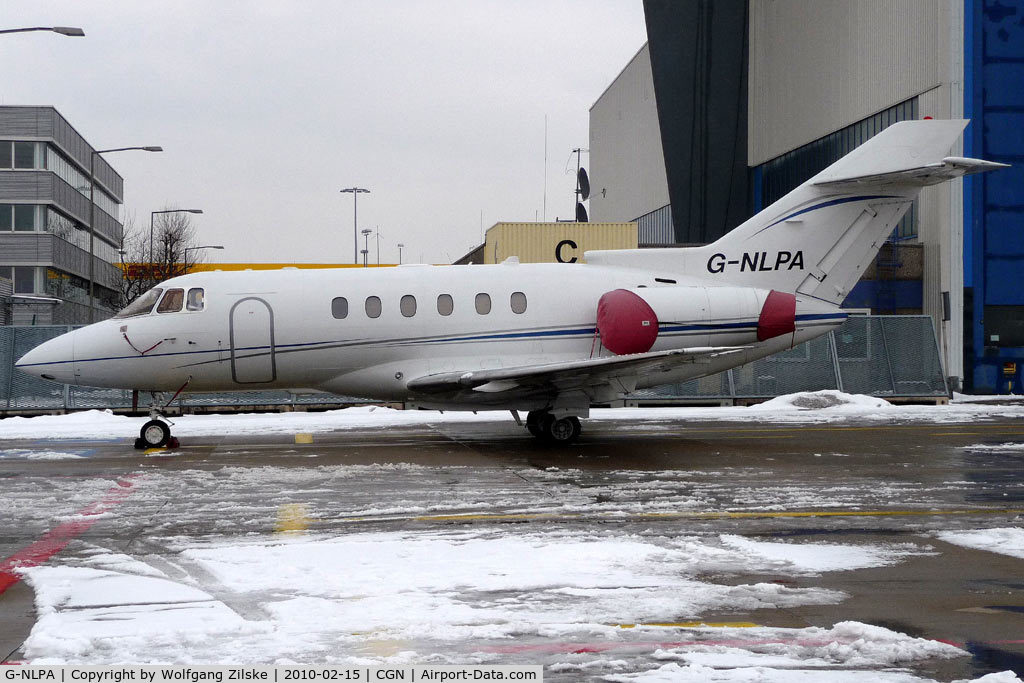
(581, 213)
(584, 183)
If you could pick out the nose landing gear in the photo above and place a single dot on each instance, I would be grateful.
(156, 433)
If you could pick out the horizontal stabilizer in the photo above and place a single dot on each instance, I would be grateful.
(566, 374)
(929, 174)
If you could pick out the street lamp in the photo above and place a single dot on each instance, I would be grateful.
(152, 215)
(92, 214)
(366, 243)
(400, 245)
(63, 30)
(355, 192)
(205, 246)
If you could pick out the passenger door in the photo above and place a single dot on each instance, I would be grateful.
(252, 342)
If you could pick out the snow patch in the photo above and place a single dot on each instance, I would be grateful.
(824, 400)
(1005, 541)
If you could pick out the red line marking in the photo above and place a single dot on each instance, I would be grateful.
(56, 539)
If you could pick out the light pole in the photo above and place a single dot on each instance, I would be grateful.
(366, 243)
(63, 30)
(355, 192)
(400, 245)
(377, 237)
(188, 249)
(92, 215)
(152, 215)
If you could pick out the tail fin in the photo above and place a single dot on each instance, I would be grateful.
(819, 238)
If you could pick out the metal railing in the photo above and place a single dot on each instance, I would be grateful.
(886, 356)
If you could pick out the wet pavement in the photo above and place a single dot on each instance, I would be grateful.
(889, 486)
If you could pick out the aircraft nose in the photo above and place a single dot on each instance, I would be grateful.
(53, 360)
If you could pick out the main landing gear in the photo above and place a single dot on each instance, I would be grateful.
(560, 430)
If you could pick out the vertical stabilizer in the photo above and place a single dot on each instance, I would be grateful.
(819, 238)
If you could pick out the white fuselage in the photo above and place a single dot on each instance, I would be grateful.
(278, 329)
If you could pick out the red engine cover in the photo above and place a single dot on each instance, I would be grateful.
(626, 323)
(778, 315)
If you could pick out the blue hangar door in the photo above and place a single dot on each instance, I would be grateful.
(252, 342)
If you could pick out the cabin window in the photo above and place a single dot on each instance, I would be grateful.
(339, 307)
(445, 305)
(172, 301)
(373, 307)
(142, 305)
(196, 300)
(407, 305)
(483, 303)
(518, 302)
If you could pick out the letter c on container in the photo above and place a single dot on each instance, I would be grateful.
(558, 251)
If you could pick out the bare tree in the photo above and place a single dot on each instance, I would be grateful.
(174, 237)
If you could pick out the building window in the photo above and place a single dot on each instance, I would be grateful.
(483, 303)
(171, 303)
(196, 299)
(339, 307)
(24, 278)
(24, 155)
(407, 305)
(518, 302)
(69, 231)
(25, 217)
(445, 305)
(69, 173)
(373, 307)
(5, 154)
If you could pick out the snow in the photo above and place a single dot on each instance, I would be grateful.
(997, 448)
(805, 407)
(814, 558)
(295, 598)
(1005, 541)
(24, 453)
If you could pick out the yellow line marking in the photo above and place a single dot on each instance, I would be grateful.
(292, 519)
(693, 624)
(303, 438)
(758, 437)
(954, 433)
(151, 451)
(527, 516)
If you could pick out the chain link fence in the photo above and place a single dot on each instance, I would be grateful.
(887, 356)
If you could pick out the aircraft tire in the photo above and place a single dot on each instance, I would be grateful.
(535, 422)
(562, 431)
(155, 434)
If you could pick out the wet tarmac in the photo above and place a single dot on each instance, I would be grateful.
(892, 485)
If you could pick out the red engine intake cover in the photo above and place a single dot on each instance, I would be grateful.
(626, 323)
(778, 316)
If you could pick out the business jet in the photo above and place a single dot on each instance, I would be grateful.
(547, 339)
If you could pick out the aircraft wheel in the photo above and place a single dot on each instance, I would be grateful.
(154, 434)
(535, 422)
(562, 431)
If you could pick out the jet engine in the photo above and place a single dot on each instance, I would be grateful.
(631, 320)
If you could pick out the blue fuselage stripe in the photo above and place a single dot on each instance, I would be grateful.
(505, 336)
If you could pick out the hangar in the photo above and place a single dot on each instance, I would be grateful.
(732, 103)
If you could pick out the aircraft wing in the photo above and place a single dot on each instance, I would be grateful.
(568, 375)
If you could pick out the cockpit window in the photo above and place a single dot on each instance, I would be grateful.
(171, 303)
(142, 305)
(196, 299)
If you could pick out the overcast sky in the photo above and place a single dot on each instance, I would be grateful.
(267, 109)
